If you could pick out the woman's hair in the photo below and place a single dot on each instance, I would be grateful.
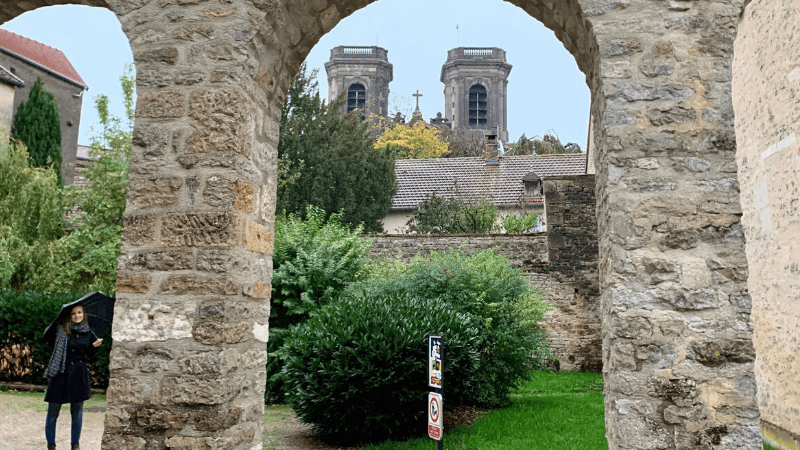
(68, 319)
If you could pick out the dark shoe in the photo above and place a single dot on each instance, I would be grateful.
(76, 447)
(51, 447)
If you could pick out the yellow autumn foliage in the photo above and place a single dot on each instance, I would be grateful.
(415, 141)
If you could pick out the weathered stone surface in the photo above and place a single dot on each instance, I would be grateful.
(152, 321)
(134, 283)
(217, 419)
(259, 238)
(154, 420)
(160, 261)
(164, 105)
(200, 230)
(244, 196)
(155, 192)
(139, 229)
(219, 192)
(189, 443)
(198, 284)
(223, 122)
(166, 55)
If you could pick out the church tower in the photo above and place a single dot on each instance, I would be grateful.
(363, 75)
(475, 89)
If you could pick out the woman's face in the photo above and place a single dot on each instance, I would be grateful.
(77, 314)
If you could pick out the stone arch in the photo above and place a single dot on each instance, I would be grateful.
(190, 333)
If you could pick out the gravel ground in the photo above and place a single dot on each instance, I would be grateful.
(22, 418)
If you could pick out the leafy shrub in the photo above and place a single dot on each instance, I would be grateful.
(453, 216)
(314, 259)
(483, 285)
(514, 224)
(356, 370)
(23, 318)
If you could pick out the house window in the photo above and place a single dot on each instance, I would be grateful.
(477, 105)
(356, 97)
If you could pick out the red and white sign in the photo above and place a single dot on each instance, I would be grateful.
(435, 413)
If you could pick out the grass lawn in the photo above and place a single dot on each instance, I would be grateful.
(553, 411)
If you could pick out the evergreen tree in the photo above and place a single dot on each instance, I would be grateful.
(38, 125)
(329, 161)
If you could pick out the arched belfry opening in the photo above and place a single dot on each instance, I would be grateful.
(191, 327)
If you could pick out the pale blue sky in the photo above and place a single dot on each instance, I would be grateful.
(546, 90)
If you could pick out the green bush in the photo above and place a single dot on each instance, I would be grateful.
(314, 259)
(514, 224)
(356, 370)
(486, 286)
(23, 318)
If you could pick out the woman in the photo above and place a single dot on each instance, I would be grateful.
(68, 375)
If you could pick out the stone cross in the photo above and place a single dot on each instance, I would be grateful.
(417, 95)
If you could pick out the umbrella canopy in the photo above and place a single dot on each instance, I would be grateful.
(98, 309)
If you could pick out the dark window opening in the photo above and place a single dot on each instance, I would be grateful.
(356, 97)
(477, 105)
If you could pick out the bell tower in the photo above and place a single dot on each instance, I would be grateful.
(362, 75)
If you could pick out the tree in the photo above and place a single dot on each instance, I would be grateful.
(330, 161)
(549, 144)
(38, 125)
(438, 215)
(414, 141)
(464, 142)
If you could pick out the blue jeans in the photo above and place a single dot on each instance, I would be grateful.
(75, 410)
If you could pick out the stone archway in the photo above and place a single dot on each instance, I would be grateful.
(193, 297)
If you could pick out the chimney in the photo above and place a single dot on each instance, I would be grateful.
(490, 152)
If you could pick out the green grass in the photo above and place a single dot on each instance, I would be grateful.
(553, 411)
(35, 401)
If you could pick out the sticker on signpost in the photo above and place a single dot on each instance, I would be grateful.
(435, 347)
(435, 413)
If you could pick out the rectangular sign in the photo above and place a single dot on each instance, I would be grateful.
(435, 349)
(435, 413)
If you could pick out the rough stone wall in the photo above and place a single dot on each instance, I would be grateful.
(677, 340)
(766, 93)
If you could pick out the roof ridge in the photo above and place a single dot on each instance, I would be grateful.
(32, 40)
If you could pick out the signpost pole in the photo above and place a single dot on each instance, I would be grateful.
(435, 381)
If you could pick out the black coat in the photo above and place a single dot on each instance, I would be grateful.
(72, 385)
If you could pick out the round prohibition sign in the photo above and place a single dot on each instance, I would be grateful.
(434, 409)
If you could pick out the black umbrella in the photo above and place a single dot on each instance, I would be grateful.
(98, 309)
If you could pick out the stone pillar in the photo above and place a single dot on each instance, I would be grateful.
(190, 325)
(677, 348)
(766, 89)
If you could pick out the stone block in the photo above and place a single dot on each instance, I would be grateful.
(200, 391)
(200, 363)
(259, 290)
(160, 105)
(219, 192)
(139, 229)
(164, 55)
(189, 443)
(223, 121)
(259, 238)
(155, 192)
(160, 420)
(217, 419)
(152, 321)
(244, 196)
(123, 390)
(159, 261)
(200, 230)
(198, 285)
(133, 283)
(215, 333)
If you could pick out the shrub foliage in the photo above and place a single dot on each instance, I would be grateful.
(314, 259)
(485, 286)
(37, 123)
(356, 369)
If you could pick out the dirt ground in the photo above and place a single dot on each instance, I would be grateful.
(22, 417)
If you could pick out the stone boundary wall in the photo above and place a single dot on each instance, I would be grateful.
(562, 262)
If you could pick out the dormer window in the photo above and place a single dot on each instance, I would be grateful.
(532, 186)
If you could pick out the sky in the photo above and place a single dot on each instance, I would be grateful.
(546, 90)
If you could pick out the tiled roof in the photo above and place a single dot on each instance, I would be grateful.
(10, 78)
(39, 53)
(469, 179)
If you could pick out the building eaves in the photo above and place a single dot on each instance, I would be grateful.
(10, 78)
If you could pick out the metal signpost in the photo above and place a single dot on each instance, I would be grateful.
(435, 409)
